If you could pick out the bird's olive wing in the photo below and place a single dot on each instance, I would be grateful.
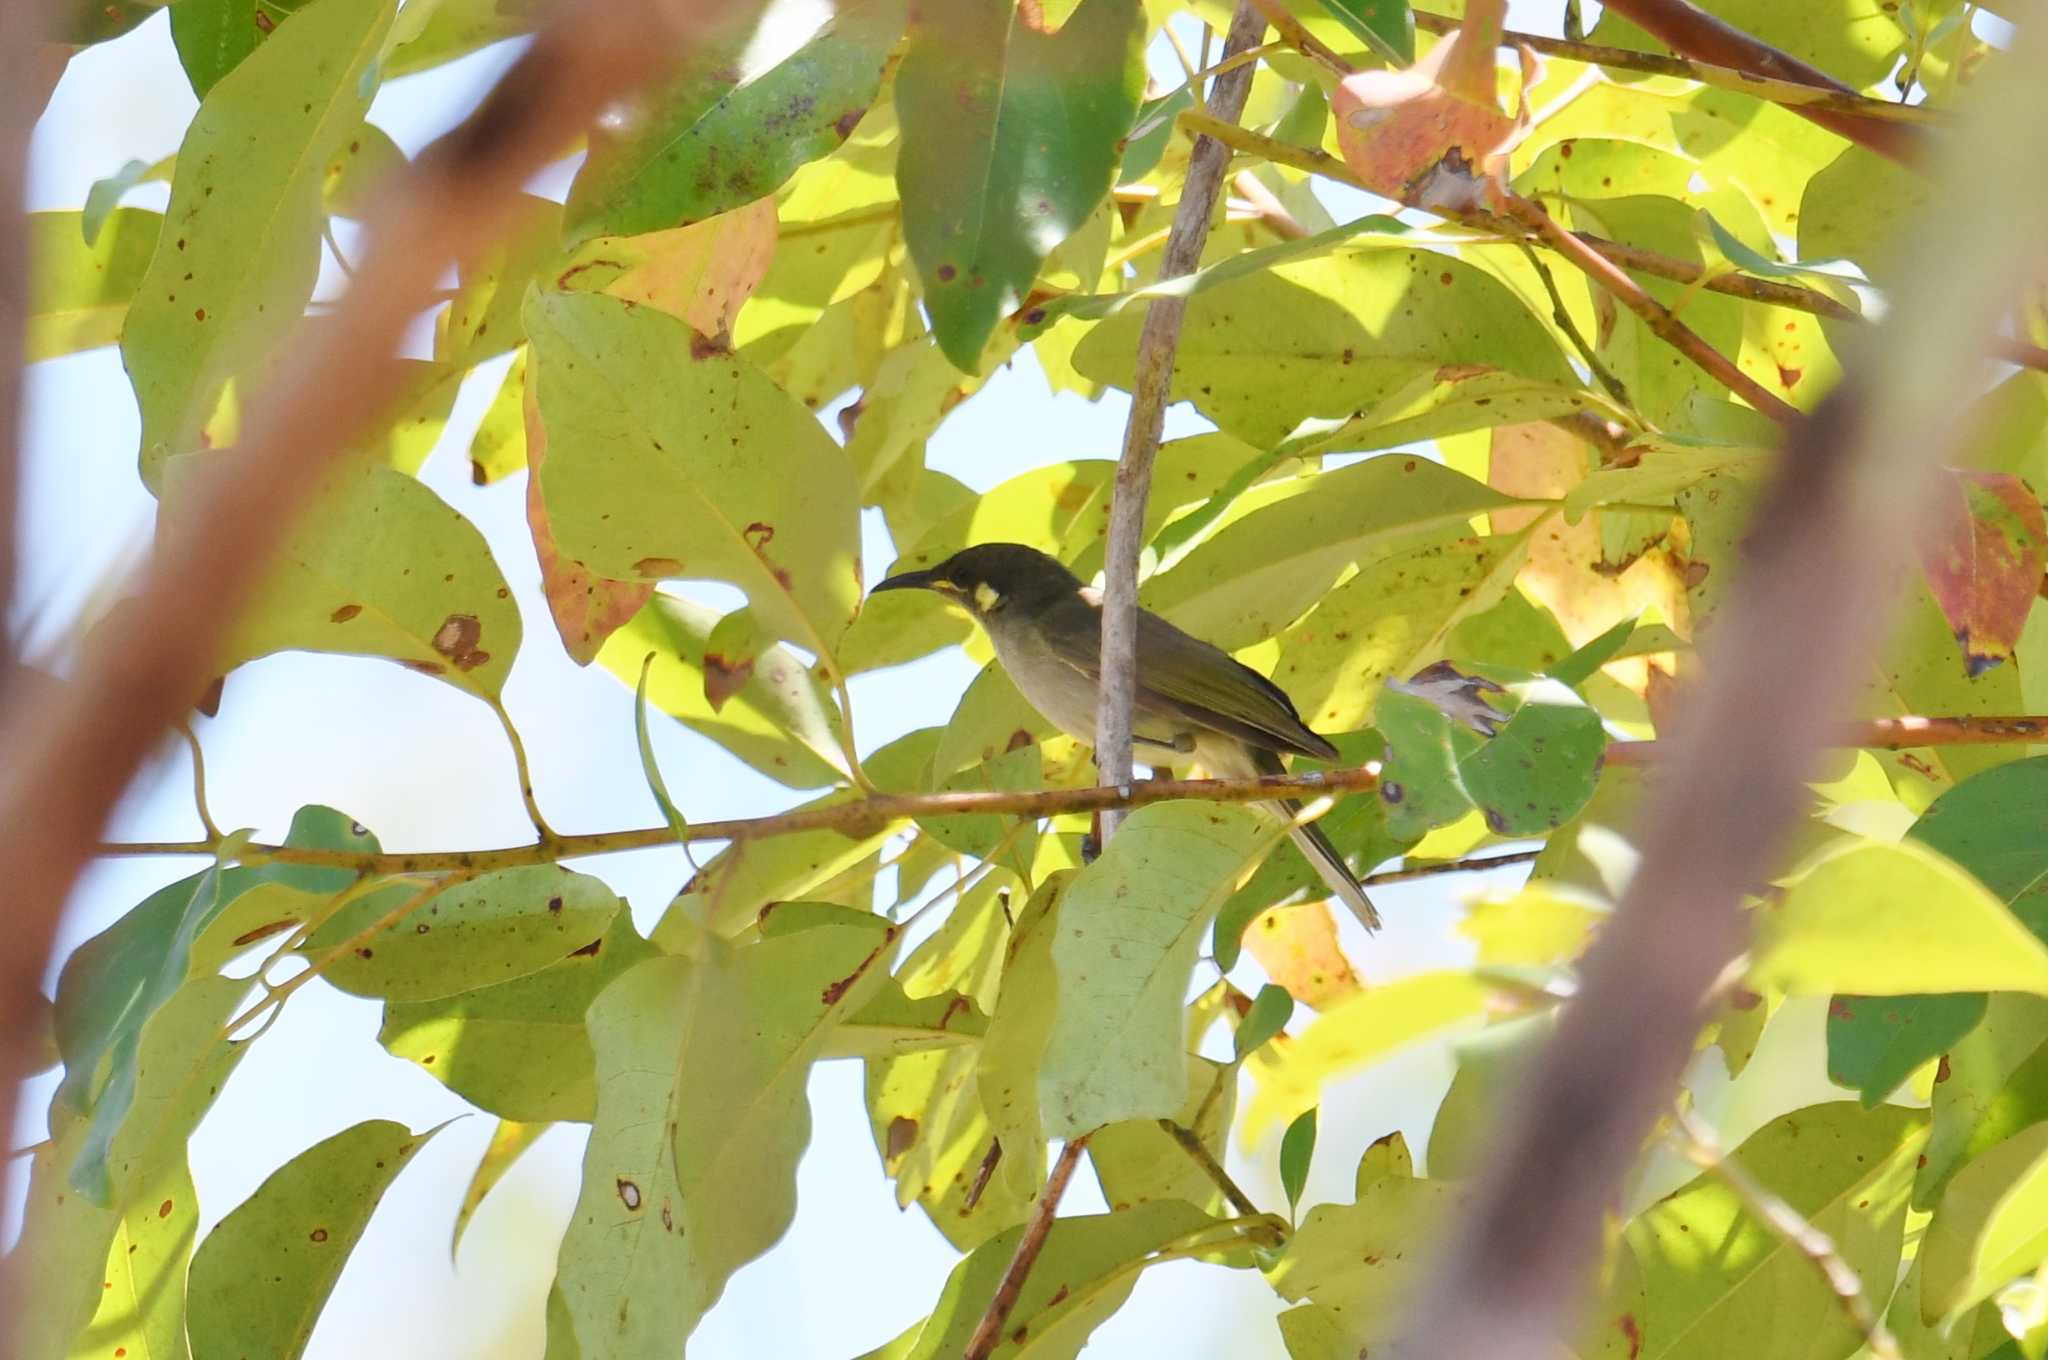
(1184, 676)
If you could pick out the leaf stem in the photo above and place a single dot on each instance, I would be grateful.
(199, 782)
(1558, 313)
(1199, 1154)
(525, 772)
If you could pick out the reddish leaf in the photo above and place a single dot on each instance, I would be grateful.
(1423, 136)
(587, 608)
(1984, 550)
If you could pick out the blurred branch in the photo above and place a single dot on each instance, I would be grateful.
(1810, 605)
(866, 816)
(1750, 288)
(1692, 32)
(1702, 1147)
(72, 747)
(1796, 94)
(1151, 386)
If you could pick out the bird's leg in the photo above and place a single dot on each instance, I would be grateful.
(1091, 844)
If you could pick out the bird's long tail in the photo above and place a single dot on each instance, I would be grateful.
(1323, 856)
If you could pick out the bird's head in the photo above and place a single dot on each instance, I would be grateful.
(991, 577)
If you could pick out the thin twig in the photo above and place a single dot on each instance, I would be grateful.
(1150, 389)
(1809, 608)
(523, 771)
(864, 816)
(1702, 1148)
(1563, 318)
(989, 1331)
(1199, 1154)
(1631, 294)
(1792, 94)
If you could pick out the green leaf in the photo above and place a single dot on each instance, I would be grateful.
(1387, 26)
(727, 133)
(448, 29)
(979, 835)
(1354, 1034)
(505, 925)
(484, 317)
(79, 293)
(1297, 1150)
(1856, 41)
(1013, 1053)
(213, 36)
(1361, 1263)
(1087, 1269)
(777, 720)
(925, 1109)
(1263, 571)
(1140, 1163)
(1332, 336)
(105, 195)
(643, 481)
(1271, 1009)
(1991, 1226)
(509, 1141)
(1876, 1042)
(1393, 617)
(1529, 778)
(227, 283)
(1997, 1085)
(1893, 920)
(701, 1119)
(263, 1274)
(1712, 1269)
(520, 1049)
(1584, 663)
(1388, 1155)
(1010, 140)
(1124, 949)
(378, 566)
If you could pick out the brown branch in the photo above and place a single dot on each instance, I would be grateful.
(988, 1332)
(1777, 90)
(1808, 611)
(1654, 314)
(1151, 387)
(1199, 1154)
(1692, 32)
(865, 816)
(72, 747)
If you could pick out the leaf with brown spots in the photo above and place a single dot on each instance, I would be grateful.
(261, 1277)
(378, 566)
(1298, 948)
(254, 247)
(735, 125)
(651, 455)
(701, 273)
(702, 1067)
(1984, 549)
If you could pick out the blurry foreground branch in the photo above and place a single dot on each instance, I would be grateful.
(72, 747)
(1810, 605)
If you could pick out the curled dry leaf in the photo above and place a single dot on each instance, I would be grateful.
(1423, 136)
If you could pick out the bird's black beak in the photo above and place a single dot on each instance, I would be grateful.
(907, 580)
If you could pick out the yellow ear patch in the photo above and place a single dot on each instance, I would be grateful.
(987, 598)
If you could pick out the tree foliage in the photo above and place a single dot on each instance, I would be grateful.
(1469, 510)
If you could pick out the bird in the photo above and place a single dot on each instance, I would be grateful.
(1194, 700)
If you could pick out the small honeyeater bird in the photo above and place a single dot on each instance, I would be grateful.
(1194, 701)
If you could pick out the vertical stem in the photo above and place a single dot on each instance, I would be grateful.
(1149, 393)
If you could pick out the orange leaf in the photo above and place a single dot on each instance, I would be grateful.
(1297, 946)
(1984, 549)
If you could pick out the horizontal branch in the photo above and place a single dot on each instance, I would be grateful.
(1791, 93)
(866, 816)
